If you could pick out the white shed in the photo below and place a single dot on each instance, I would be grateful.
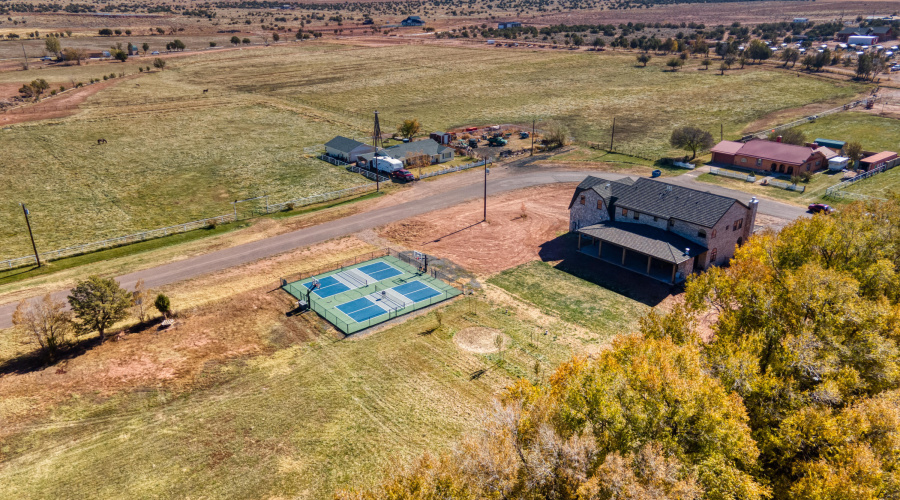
(862, 40)
(838, 163)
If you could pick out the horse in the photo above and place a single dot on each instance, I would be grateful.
(205, 90)
(101, 141)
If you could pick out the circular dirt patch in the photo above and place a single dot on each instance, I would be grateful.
(479, 339)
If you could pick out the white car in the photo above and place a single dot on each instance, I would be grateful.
(895, 67)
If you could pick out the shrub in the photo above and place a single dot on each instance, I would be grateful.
(163, 304)
(806, 176)
(795, 179)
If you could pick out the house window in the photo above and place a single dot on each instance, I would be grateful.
(582, 199)
(818, 162)
(599, 204)
(738, 224)
(712, 255)
(637, 216)
(759, 162)
(655, 218)
(714, 234)
(701, 234)
(671, 222)
(624, 212)
(743, 160)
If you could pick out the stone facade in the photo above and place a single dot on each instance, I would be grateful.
(732, 229)
(589, 208)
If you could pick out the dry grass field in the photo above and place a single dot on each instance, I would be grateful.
(177, 154)
(239, 400)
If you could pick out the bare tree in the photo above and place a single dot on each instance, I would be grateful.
(141, 300)
(46, 322)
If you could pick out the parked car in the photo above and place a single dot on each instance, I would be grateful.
(154, 53)
(402, 175)
(820, 207)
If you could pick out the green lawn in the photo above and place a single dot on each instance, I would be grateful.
(297, 423)
(571, 298)
(875, 133)
(881, 185)
(815, 188)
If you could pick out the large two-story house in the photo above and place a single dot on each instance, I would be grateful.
(658, 229)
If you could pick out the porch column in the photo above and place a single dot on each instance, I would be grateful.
(674, 267)
(579, 241)
(599, 248)
(623, 256)
(648, 265)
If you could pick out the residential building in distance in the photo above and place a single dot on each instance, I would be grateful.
(437, 153)
(346, 149)
(412, 21)
(509, 24)
(769, 156)
(658, 229)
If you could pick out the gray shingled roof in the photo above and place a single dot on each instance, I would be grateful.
(428, 147)
(606, 188)
(343, 144)
(659, 199)
(648, 240)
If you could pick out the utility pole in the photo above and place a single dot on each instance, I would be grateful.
(485, 189)
(376, 141)
(721, 132)
(33, 245)
(532, 136)
(25, 57)
(612, 136)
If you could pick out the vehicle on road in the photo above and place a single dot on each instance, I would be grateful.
(820, 207)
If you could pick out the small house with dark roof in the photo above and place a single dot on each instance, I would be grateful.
(346, 149)
(836, 146)
(658, 229)
(405, 152)
(412, 21)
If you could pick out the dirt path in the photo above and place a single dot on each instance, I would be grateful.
(66, 104)
(518, 224)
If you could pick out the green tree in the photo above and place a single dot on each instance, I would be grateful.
(98, 303)
(52, 45)
(120, 55)
(246, 41)
(235, 40)
(790, 55)
(675, 63)
(691, 139)
(854, 152)
(758, 51)
(643, 58)
(409, 128)
(276, 37)
(35, 89)
(163, 304)
(159, 63)
(178, 44)
(790, 136)
(145, 47)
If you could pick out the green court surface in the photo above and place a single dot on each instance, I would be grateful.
(356, 297)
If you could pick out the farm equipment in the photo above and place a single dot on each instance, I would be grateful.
(870, 103)
(473, 142)
(523, 135)
(496, 141)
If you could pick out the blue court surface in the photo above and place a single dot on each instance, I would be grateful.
(416, 291)
(328, 286)
(361, 309)
(380, 271)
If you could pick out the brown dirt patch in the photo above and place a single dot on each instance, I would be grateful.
(518, 224)
(479, 339)
(65, 104)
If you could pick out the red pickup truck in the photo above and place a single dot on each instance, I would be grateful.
(402, 175)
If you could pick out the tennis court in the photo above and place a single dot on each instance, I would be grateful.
(363, 295)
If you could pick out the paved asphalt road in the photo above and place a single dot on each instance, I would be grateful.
(502, 180)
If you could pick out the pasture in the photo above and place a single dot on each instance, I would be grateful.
(875, 133)
(176, 154)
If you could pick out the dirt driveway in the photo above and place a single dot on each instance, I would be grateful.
(518, 223)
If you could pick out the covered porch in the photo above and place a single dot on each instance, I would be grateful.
(646, 250)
